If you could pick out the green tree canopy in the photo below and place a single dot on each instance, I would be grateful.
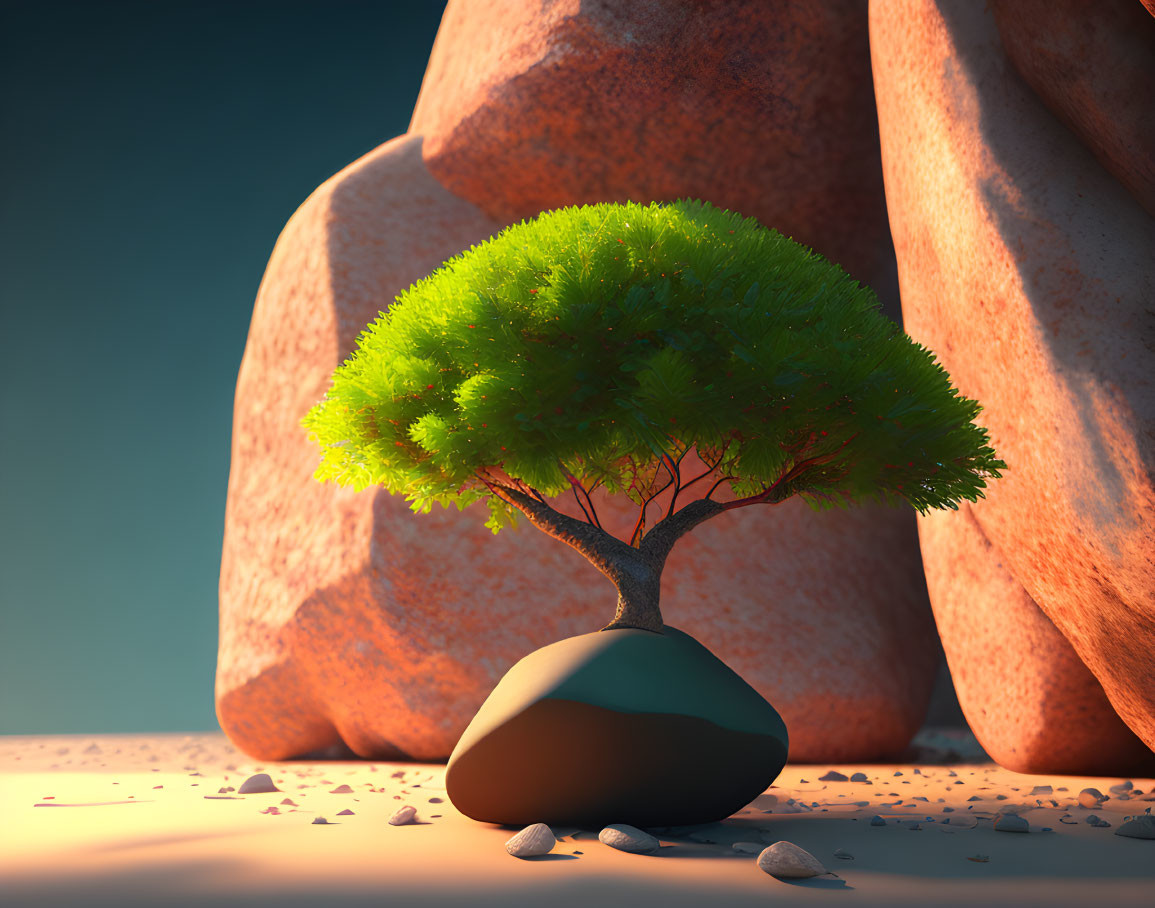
(595, 345)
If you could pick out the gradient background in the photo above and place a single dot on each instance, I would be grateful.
(150, 154)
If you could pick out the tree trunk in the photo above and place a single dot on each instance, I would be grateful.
(639, 588)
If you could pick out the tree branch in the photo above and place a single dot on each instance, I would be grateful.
(640, 526)
(767, 494)
(709, 470)
(660, 540)
(576, 486)
(718, 483)
(675, 475)
(604, 551)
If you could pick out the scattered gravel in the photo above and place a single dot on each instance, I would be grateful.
(624, 837)
(787, 860)
(403, 816)
(532, 841)
(258, 784)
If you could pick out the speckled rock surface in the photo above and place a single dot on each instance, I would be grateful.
(1093, 66)
(1027, 267)
(350, 624)
(764, 108)
(1018, 678)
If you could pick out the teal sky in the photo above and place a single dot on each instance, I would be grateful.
(151, 154)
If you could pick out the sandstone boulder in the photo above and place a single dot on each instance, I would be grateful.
(1027, 267)
(1094, 69)
(347, 621)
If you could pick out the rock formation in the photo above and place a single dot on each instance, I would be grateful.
(1017, 152)
(349, 621)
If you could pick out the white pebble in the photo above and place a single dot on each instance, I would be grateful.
(531, 841)
(402, 816)
(258, 784)
(787, 860)
(628, 838)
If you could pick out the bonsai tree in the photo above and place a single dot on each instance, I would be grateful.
(595, 346)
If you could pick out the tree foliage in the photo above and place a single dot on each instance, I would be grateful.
(595, 345)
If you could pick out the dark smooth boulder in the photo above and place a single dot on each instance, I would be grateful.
(621, 726)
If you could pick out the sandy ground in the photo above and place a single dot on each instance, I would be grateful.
(123, 820)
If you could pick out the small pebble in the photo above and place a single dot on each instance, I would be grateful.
(1141, 827)
(1122, 787)
(1092, 797)
(877, 821)
(258, 784)
(624, 837)
(858, 777)
(403, 815)
(843, 855)
(1041, 790)
(290, 802)
(345, 813)
(532, 841)
(341, 790)
(321, 821)
(748, 847)
(833, 776)
(1011, 823)
(787, 860)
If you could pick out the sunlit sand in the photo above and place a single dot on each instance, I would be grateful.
(137, 819)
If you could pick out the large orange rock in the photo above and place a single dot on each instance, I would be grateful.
(1027, 266)
(349, 622)
(1032, 703)
(1094, 68)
